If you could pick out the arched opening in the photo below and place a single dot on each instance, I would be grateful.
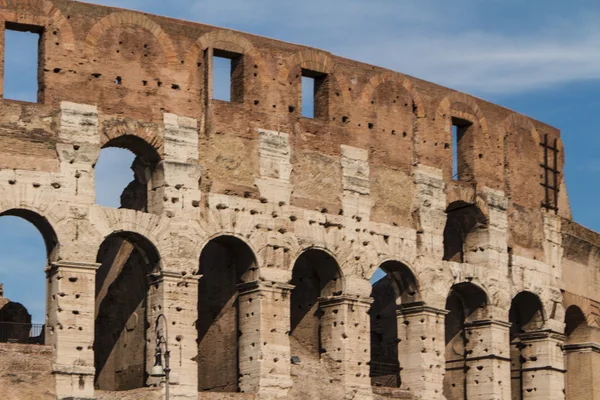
(118, 187)
(465, 303)
(462, 220)
(396, 287)
(29, 246)
(121, 315)
(579, 359)
(225, 262)
(525, 315)
(316, 274)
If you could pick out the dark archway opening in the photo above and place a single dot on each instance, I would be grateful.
(225, 263)
(30, 245)
(396, 288)
(462, 219)
(578, 357)
(316, 274)
(465, 303)
(525, 315)
(122, 304)
(118, 187)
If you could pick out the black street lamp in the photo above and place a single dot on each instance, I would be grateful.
(158, 371)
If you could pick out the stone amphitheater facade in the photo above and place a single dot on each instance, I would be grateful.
(256, 231)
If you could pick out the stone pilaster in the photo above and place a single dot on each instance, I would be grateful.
(355, 180)
(421, 351)
(346, 341)
(488, 360)
(176, 297)
(264, 343)
(70, 327)
(174, 185)
(583, 371)
(543, 367)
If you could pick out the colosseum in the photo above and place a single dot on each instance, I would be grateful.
(255, 228)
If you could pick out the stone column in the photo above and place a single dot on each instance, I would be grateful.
(583, 371)
(421, 339)
(543, 367)
(264, 342)
(488, 360)
(176, 297)
(70, 327)
(346, 341)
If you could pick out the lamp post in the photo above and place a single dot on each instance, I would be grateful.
(157, 370)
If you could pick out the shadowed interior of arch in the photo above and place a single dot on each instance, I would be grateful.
(465, 303)
(462, 220)
(29, 244)
(315, 275)
(126, 174)
(397, 287)
(525, 315)
(225, 262)
(121, 315)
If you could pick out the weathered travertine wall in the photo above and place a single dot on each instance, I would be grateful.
(256, 231)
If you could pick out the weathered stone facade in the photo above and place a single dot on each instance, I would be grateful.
(256, 231)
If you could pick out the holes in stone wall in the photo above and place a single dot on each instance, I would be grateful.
(227, 76)
(23, 72)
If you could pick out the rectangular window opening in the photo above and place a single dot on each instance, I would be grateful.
(227, 76)
(315, 95)
(459, 159)
(23, 73)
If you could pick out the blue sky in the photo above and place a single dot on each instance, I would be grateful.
(538, 57)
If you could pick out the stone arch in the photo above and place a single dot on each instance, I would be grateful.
(109, 220)
(398, 288)
(314, 60)
(55, 19)
(42, 224)
(463, 220)
(135, 19)
(232, 41)
(316, 275)
(466, 303)
(526, 315)
(388, 76)
(114, 130)
(226, 261)
(444, 110)
(123, 303)
(144, 192)
(585, 305)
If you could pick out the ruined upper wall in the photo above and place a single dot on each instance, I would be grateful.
(136, 67)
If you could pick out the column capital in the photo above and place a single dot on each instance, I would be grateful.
(587, 347)
(162, 276)
(258, 286)
(488, 322)
(344, 299)
(417, 308)
(72, 266)
(541, 335)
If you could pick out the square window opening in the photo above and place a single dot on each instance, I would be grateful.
(227, 76)
(23, 72)
(315, 94)
(459, 157)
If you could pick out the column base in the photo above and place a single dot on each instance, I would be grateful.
(73, 382)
